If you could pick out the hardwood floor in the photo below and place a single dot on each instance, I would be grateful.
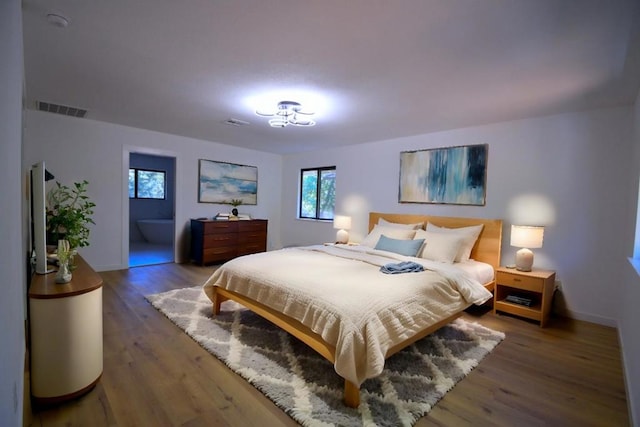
(568, 374)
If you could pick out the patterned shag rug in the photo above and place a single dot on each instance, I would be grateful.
(305, 385)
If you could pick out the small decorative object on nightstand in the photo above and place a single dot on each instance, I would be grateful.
(526, 294)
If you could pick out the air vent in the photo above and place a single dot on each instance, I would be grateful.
(235, 122)
(61, 109)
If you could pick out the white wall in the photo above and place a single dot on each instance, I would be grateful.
(629, 321)
(565, 172)
(76, 149)
(13, 249)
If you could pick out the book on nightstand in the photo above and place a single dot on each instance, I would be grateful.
(519, 300)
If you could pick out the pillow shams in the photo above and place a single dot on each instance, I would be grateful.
(470, 235)
(442, 247)
(402, 247)
(395, 233)
(383, 222)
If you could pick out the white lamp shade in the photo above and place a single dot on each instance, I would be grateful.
(342, 222)
(524, 236)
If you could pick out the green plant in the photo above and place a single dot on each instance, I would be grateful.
(69, 212)
(234, 202)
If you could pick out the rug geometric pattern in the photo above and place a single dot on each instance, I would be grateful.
(304, 384)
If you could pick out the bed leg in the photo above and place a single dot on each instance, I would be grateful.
(351, 394)
(217, 300)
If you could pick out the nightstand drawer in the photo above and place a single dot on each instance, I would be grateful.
(532, 284)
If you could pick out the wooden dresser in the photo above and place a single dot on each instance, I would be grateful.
(218, 241)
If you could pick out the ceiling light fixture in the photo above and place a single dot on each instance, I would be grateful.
(288, 113)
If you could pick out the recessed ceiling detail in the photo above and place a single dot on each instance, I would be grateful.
(61, 109)
(288, 113)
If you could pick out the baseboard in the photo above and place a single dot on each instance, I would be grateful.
(634, 418)
(599, 320)
(560, 308)
(109, 267)
(27, 412)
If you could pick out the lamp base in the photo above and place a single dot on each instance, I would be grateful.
(342, 236)
(524, 259)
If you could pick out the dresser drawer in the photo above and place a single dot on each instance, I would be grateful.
(252, 236)
(252, 226)
(219, 240)
(251, 248)
(219, 254)
(214, 227)
(533, 284)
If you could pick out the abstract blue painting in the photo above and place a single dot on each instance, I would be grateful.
(451, 175)
(221, 182)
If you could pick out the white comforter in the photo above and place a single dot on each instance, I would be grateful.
(340, 293)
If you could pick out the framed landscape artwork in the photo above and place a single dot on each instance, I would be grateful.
(220, 182)
(451, 175)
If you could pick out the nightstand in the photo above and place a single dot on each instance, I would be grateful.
(536, 285)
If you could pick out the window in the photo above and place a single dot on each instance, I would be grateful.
(146, 184)
(317, 193)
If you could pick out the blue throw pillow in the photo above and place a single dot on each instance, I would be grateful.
(402, 247)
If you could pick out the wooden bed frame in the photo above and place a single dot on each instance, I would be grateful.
(486, 249)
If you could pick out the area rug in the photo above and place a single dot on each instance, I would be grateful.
(305, 385)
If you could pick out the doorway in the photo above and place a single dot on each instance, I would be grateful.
(151, 209)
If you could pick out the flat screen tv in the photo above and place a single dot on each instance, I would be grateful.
(39, 175)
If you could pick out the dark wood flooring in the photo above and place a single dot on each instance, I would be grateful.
(568, 374)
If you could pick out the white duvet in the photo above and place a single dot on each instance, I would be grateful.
(340, 293)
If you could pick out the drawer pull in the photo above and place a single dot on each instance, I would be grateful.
(515, 279)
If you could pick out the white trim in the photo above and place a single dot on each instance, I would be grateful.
(604, 321)
(627, 381)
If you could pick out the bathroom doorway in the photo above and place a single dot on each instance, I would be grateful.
(151, 209)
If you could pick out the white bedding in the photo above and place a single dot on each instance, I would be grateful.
(339, 293)
(481, 271)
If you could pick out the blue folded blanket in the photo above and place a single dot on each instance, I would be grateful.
(402, 267)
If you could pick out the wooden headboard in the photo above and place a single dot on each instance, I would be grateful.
(487, 247)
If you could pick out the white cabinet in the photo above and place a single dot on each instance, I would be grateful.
(65, 323)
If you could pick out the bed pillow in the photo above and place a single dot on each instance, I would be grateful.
(402, 247)
(441, 247)
(470, 234)
(395, 233)
(385, 223)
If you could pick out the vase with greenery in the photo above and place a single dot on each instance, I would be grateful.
(65, 256)
(235, 203)
(69, 212)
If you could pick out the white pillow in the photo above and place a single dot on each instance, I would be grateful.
(386, 223)
(470, 233)
(395, 233)
(442, 247)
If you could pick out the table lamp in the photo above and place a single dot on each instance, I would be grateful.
(527, 238)
(342, 223)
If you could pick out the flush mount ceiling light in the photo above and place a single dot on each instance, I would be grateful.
(288, 113)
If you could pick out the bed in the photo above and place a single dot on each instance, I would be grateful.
(359, 317)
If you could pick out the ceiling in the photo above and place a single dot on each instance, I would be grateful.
(370, 69)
